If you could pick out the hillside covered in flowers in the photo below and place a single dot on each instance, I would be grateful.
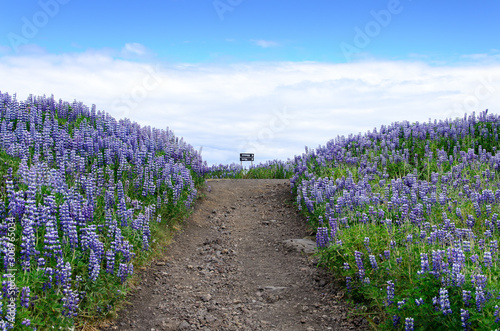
(83, 197)
(407, 216)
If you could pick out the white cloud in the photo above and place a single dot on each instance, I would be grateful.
(271, 109)
(265, 43)
(134, 49)
(493, 55)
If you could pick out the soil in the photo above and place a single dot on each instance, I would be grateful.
(233, 266)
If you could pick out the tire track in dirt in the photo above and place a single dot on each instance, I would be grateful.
(228, 269)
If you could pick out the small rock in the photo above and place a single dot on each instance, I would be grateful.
(206, 297)
(272, 288)
(184, 325)
(302, 245)
(160, 263)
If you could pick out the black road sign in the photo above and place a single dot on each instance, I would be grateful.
(246, 157)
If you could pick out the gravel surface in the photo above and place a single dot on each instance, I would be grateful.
(237, 264)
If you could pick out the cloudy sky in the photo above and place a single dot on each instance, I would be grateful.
(261, 76)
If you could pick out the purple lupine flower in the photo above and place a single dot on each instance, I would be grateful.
(346, 266)
(146, 235)
(437, 261)
(367, 244)
(494, 247)
(333, 228)
(480, 299)
(70, 302)
(127, 252)
(459, 256)
(51, 240)
(41, 262)
(419, 302)
(477, 209)
(348, 281)
(488, 210)
(479, 280)
(464, 318)
(395, 320)
(424, 264)
(25, 296)
(49, 272)
(373, 262)
(409, 324)
(122, 272)
(459, 279)
(28, 243)
(435, 303)
(130, 269)
(387, 254)
(322, 237)
(359, 262)
(390, 292)
(110, 261)
(62, 272)
(401, 304)
(94, 266)
(470, 221)
(26, 322)
(497, 314)
(466, 244)
(466, 297)
(487, 260)
(444, 301)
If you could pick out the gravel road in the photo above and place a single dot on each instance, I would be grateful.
(234, 266)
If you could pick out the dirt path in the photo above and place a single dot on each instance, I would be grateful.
(228, 269)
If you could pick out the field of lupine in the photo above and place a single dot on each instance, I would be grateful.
(408, 217)
(85, 197)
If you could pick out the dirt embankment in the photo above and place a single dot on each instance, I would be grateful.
(229, 269)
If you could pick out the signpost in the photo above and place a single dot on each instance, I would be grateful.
(246, 157)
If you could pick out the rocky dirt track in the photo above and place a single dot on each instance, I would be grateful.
(232, 267)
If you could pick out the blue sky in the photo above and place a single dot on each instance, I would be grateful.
(192, 31)
(267, 77)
